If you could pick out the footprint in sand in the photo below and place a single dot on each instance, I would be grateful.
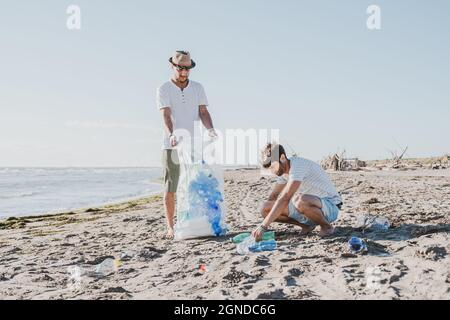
(295, 272)
(233, 277)
(150, 253)
(116, 290)
(290, 281)
(243, 208)
(273, 295)
(434, 253)
(262, 261)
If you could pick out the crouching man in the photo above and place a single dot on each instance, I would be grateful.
(316, 203)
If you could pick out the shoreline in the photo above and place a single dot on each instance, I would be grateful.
(15, 222)
(118, 203)
(100, 205)
(80, 209)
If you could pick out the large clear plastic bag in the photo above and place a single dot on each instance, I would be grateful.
(200, 196)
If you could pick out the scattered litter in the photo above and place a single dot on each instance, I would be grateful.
(269, 235)
(357, 245)
(374, 223)
(101, 270)
(107, 267)
(265, 245)
(76, 271)
(203, 269)
(127, 255)
(244, 247)
(250, 245)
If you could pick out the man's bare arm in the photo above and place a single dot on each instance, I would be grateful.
(205, 117)
(276, 190)
(167, 116)
(282, 202)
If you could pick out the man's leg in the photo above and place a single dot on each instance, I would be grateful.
(169, 206)
(311, 207)
(284, 217)
(172, 173)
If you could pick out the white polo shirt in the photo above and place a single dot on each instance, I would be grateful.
(184, 105)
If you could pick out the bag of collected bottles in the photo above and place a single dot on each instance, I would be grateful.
(200, 200)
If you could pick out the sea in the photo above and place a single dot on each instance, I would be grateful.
(35, 191)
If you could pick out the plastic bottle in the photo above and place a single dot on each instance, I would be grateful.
(250, 245)
(380, 223)
(107, 267)
(356, 244)
(76, 272)
(374, 223)
(244, 247)
(265, 245)
(269, 235)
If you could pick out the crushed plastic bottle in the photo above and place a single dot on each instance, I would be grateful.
(268, 235)
(250, 245)
(380, 223)
(264, 245)
(374, 223)
(76, 272)
(107, 267)
(128, 255)
(356, 245)
(244, 247)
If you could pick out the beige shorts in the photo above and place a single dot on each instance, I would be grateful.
(171, 167)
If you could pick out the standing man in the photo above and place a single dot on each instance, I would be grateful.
(182, 102)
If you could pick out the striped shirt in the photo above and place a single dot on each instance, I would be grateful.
(314, 180)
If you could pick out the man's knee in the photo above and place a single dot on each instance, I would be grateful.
(298, 202)
(265, 208)
(304, 202)
(168, 196)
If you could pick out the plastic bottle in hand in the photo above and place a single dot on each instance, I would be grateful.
(268, 235)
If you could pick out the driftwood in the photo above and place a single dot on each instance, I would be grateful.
(396, 159)
(338, 162)
(441, 163)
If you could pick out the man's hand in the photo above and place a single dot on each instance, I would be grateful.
(258, 233)
(173, 140)
(212, 133)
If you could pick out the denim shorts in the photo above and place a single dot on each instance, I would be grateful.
(329, 209)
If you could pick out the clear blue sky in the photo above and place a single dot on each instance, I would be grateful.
(310, 68)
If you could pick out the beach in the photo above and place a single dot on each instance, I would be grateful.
(52, 256)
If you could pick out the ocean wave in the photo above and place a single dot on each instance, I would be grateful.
(38, 190)
(10, 170)
(17, 195)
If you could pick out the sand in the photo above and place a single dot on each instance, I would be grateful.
(39, 256)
